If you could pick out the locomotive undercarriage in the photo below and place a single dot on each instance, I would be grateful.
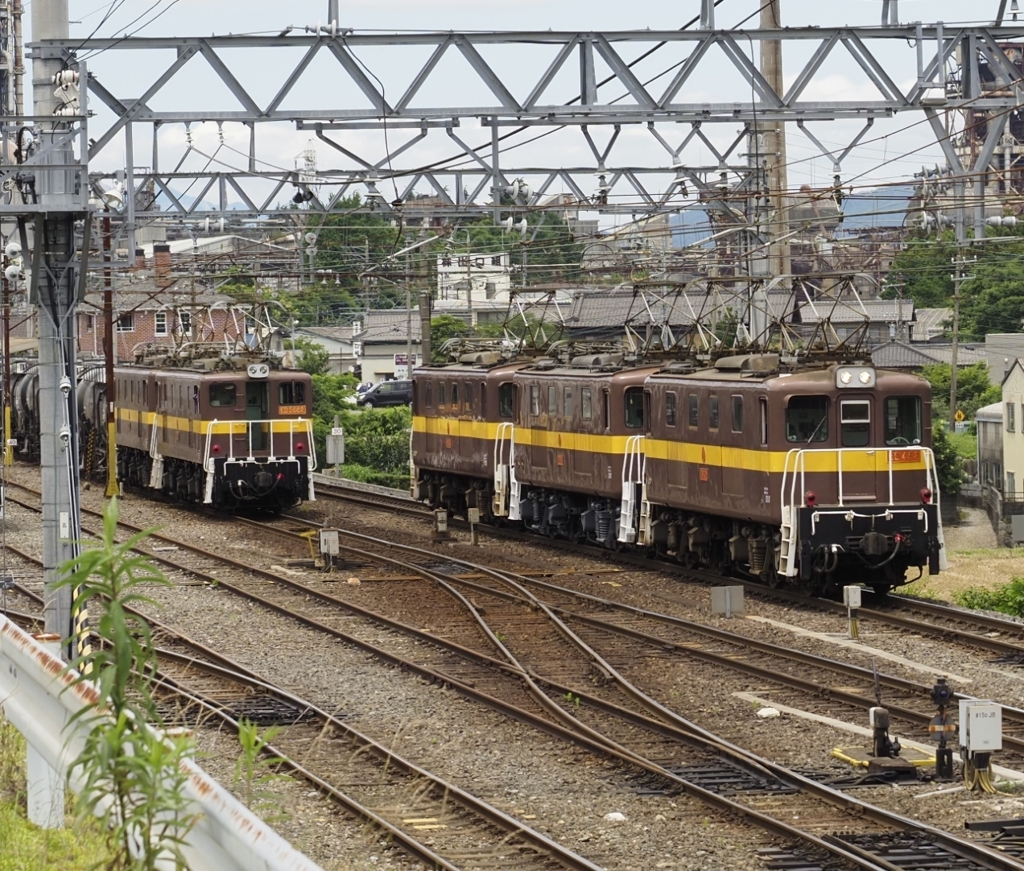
(457, 493)
(259, 485)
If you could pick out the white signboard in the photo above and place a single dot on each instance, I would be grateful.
(402, 369)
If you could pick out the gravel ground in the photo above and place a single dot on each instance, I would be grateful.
(566, 792)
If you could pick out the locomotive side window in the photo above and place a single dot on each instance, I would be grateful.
(291, 393)
(534, 399)
(222, 395)
(762, 404)
(694, 409)
(634, 407)
(552, 400)
(606, 403)
(713, 408)
(567, 403)
(807, 419)
(737, 414)
(586, 404)
(903, 420)
(670, 409)
(483, 400)
(855, 422)
(505, 404)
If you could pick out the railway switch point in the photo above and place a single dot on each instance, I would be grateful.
(328, 549)
(441, 532)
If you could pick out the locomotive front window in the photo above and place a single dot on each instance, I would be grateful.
(567, 403)
(634, 408)
(694, 409)
(468, 393)
(440, 394)
(713, 407)
(505, 400)
(534, 399)
(552, 400)
(586, 404)
(855, 423)
(223, 395)
(455, 395)
(903, 420)
(670, 409)
(737, 414)
(428, 394)
(291, 393)
(807, 419)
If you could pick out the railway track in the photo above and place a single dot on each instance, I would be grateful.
(790, 796)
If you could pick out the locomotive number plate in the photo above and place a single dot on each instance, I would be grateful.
(704, 476)
(292, 409)
(906, 456)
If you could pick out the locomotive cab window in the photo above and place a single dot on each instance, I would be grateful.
(586, 404)
(552, 400)
(440, 395)
(291, 393)
(634, 407)
(467, 392)
(855, 422)
(428, 394)
(670, 409)
(903, 420)
(694, 409)
(505, 397)
(567, 403)
(534, 399)
(737, 414)
(222, 395)
(713, 410)
(455, 395)
(807, 419)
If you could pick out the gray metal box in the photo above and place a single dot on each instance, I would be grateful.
(1017, 527)
(727, 600)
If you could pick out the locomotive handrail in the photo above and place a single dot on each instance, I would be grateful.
(795, 465)
(300, 424)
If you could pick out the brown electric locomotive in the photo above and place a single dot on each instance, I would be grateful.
(230, 434)
(816, 474)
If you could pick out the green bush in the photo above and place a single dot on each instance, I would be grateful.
(396, 480)
(1007, 599)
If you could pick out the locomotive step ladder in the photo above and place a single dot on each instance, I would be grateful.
(504, 441)
(633, 467)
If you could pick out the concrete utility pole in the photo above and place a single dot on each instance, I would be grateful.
(775, 144)
(55, 287)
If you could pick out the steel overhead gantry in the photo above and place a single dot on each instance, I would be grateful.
(588, 88)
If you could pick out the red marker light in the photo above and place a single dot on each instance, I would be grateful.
(926, 495)
(811, 498)
(897, 538)
(300, 446)
(216, 449)
(280, 476)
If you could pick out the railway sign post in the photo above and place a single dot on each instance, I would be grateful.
(851, 598)
(336, 447)
(473, 515)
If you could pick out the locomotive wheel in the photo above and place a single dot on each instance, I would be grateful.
(772, 578)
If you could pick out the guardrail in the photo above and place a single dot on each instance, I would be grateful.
(38, 697)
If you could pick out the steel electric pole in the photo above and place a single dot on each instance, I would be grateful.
(775, 144)
(56, 271)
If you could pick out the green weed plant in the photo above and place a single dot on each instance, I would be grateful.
(1007, 599)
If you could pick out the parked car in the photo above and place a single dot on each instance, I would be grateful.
(387, 393)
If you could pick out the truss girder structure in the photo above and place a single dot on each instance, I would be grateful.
(591, 84)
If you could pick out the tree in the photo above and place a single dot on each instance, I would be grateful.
(921, 271)
(313, 357)
(948, 465)
(443, 328)
(973, 388)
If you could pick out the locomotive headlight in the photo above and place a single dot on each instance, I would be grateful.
(855, 376)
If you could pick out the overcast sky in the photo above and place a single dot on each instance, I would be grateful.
(892, 150)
